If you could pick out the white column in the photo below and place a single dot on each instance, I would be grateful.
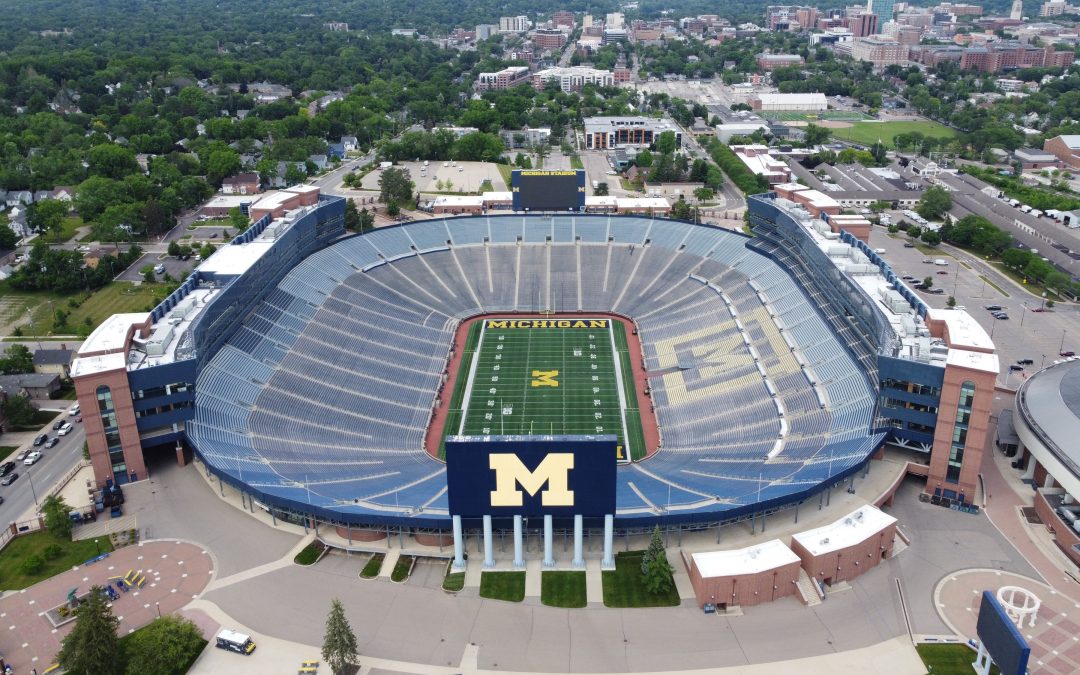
(549, 559)
(1029, 472)
(609, 536)
(459, 545)
(519, 560)
(489, 556)
(579, 559)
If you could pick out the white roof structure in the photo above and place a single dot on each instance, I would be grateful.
(601, 200)
(229, 201)
(793, 99)
(494, 196)
(110, 335)
(854, 528)
(458, 200)
(761, 557)
(236, 259)
(974, 360)
(642, 203)
(964, 331)
(85, 365)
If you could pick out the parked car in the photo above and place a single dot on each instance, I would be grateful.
(1013, 367)
(40, 440)
(1038, 310)
(9, 479)
(22, 455)
(57, 424)
(65, 429)
(908, 244)
(907, 277)
(32, 458)
(74, 410)
(6, 468)
(1001, 316)
(994, 308)
(52, 442)
(942, 271)
(1025, 362)
(159, 269)
(938, 291)
(1068, 353)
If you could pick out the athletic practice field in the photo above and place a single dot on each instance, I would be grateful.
(547, 376)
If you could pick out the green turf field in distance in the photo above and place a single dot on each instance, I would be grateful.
(583, 397)
(868, 133)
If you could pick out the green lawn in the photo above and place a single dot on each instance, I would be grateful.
(563, 589)
(309, 554)
(5, 450)
(371, 569)
(505, 170)
(12, 575)
(625, 587)
(116, 297)
(41, 418)
(453, 581)
(509, 586)
(402, 569)
(868, 133)
(948, 659)
(576, 163)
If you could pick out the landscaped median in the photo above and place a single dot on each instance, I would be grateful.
(373, 566)
(563, 589)
(625, 585)
(30, 558)
(508, 586)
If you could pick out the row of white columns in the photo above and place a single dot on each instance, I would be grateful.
(549, 557)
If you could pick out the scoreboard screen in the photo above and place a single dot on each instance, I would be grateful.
(548, 190)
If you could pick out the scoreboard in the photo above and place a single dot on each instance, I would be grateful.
(530, 475)
(548, 190)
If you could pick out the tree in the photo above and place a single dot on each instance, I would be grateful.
(879, 153)
(147, 272)
(174, 248)
(111, 161)
(682, 211)
(914, 231)
(602, 189)
(56, 510)
(656, 547)
(352, 216)
(816, 135)
(339, 643)
(666, 143)
(221, 164)
(8, 240)
(17, 360)
(658, 575)
(928, 282)
(644, 158)
(167, 646)
(392, 208)
(47, 216)
(951, 302)
(91, 647)
(931, 238)
(367, 220)
(934, 203)
(238, 220)
(19, 411)
(294, 175)
(395, 185)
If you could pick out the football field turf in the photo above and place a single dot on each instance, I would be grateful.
(547, 376)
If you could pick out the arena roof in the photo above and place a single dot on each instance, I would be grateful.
(1051, 406)
(112, 333)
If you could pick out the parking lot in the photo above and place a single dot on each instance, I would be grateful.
(178, 269)
(1029, 332)
(464, 176)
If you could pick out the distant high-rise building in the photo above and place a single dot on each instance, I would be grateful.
(514, 24)
(883, 9)
(1017, 12)
(615, 20)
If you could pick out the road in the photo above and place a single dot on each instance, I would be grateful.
(734, 200)
(35, 481)
(328, 183)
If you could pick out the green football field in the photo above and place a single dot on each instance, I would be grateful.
(568, 376)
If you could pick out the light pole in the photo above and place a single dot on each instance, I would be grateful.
(30, 477)
(993, 326)
(1061, 348)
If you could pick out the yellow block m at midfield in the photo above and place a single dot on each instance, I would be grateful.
(545, 378)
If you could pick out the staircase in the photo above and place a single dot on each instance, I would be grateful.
(807, 589)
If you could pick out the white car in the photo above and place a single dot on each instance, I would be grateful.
(65, 429)
(74, 410)
(32, 458)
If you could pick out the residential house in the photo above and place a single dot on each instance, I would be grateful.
(19, 197)
(351, 143)
(336, 150)
(320, 161)
(525, 137)
(64, 193)
(54, 361)
(241, 184)
(34, 385)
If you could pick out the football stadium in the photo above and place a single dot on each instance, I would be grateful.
(319, 372)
